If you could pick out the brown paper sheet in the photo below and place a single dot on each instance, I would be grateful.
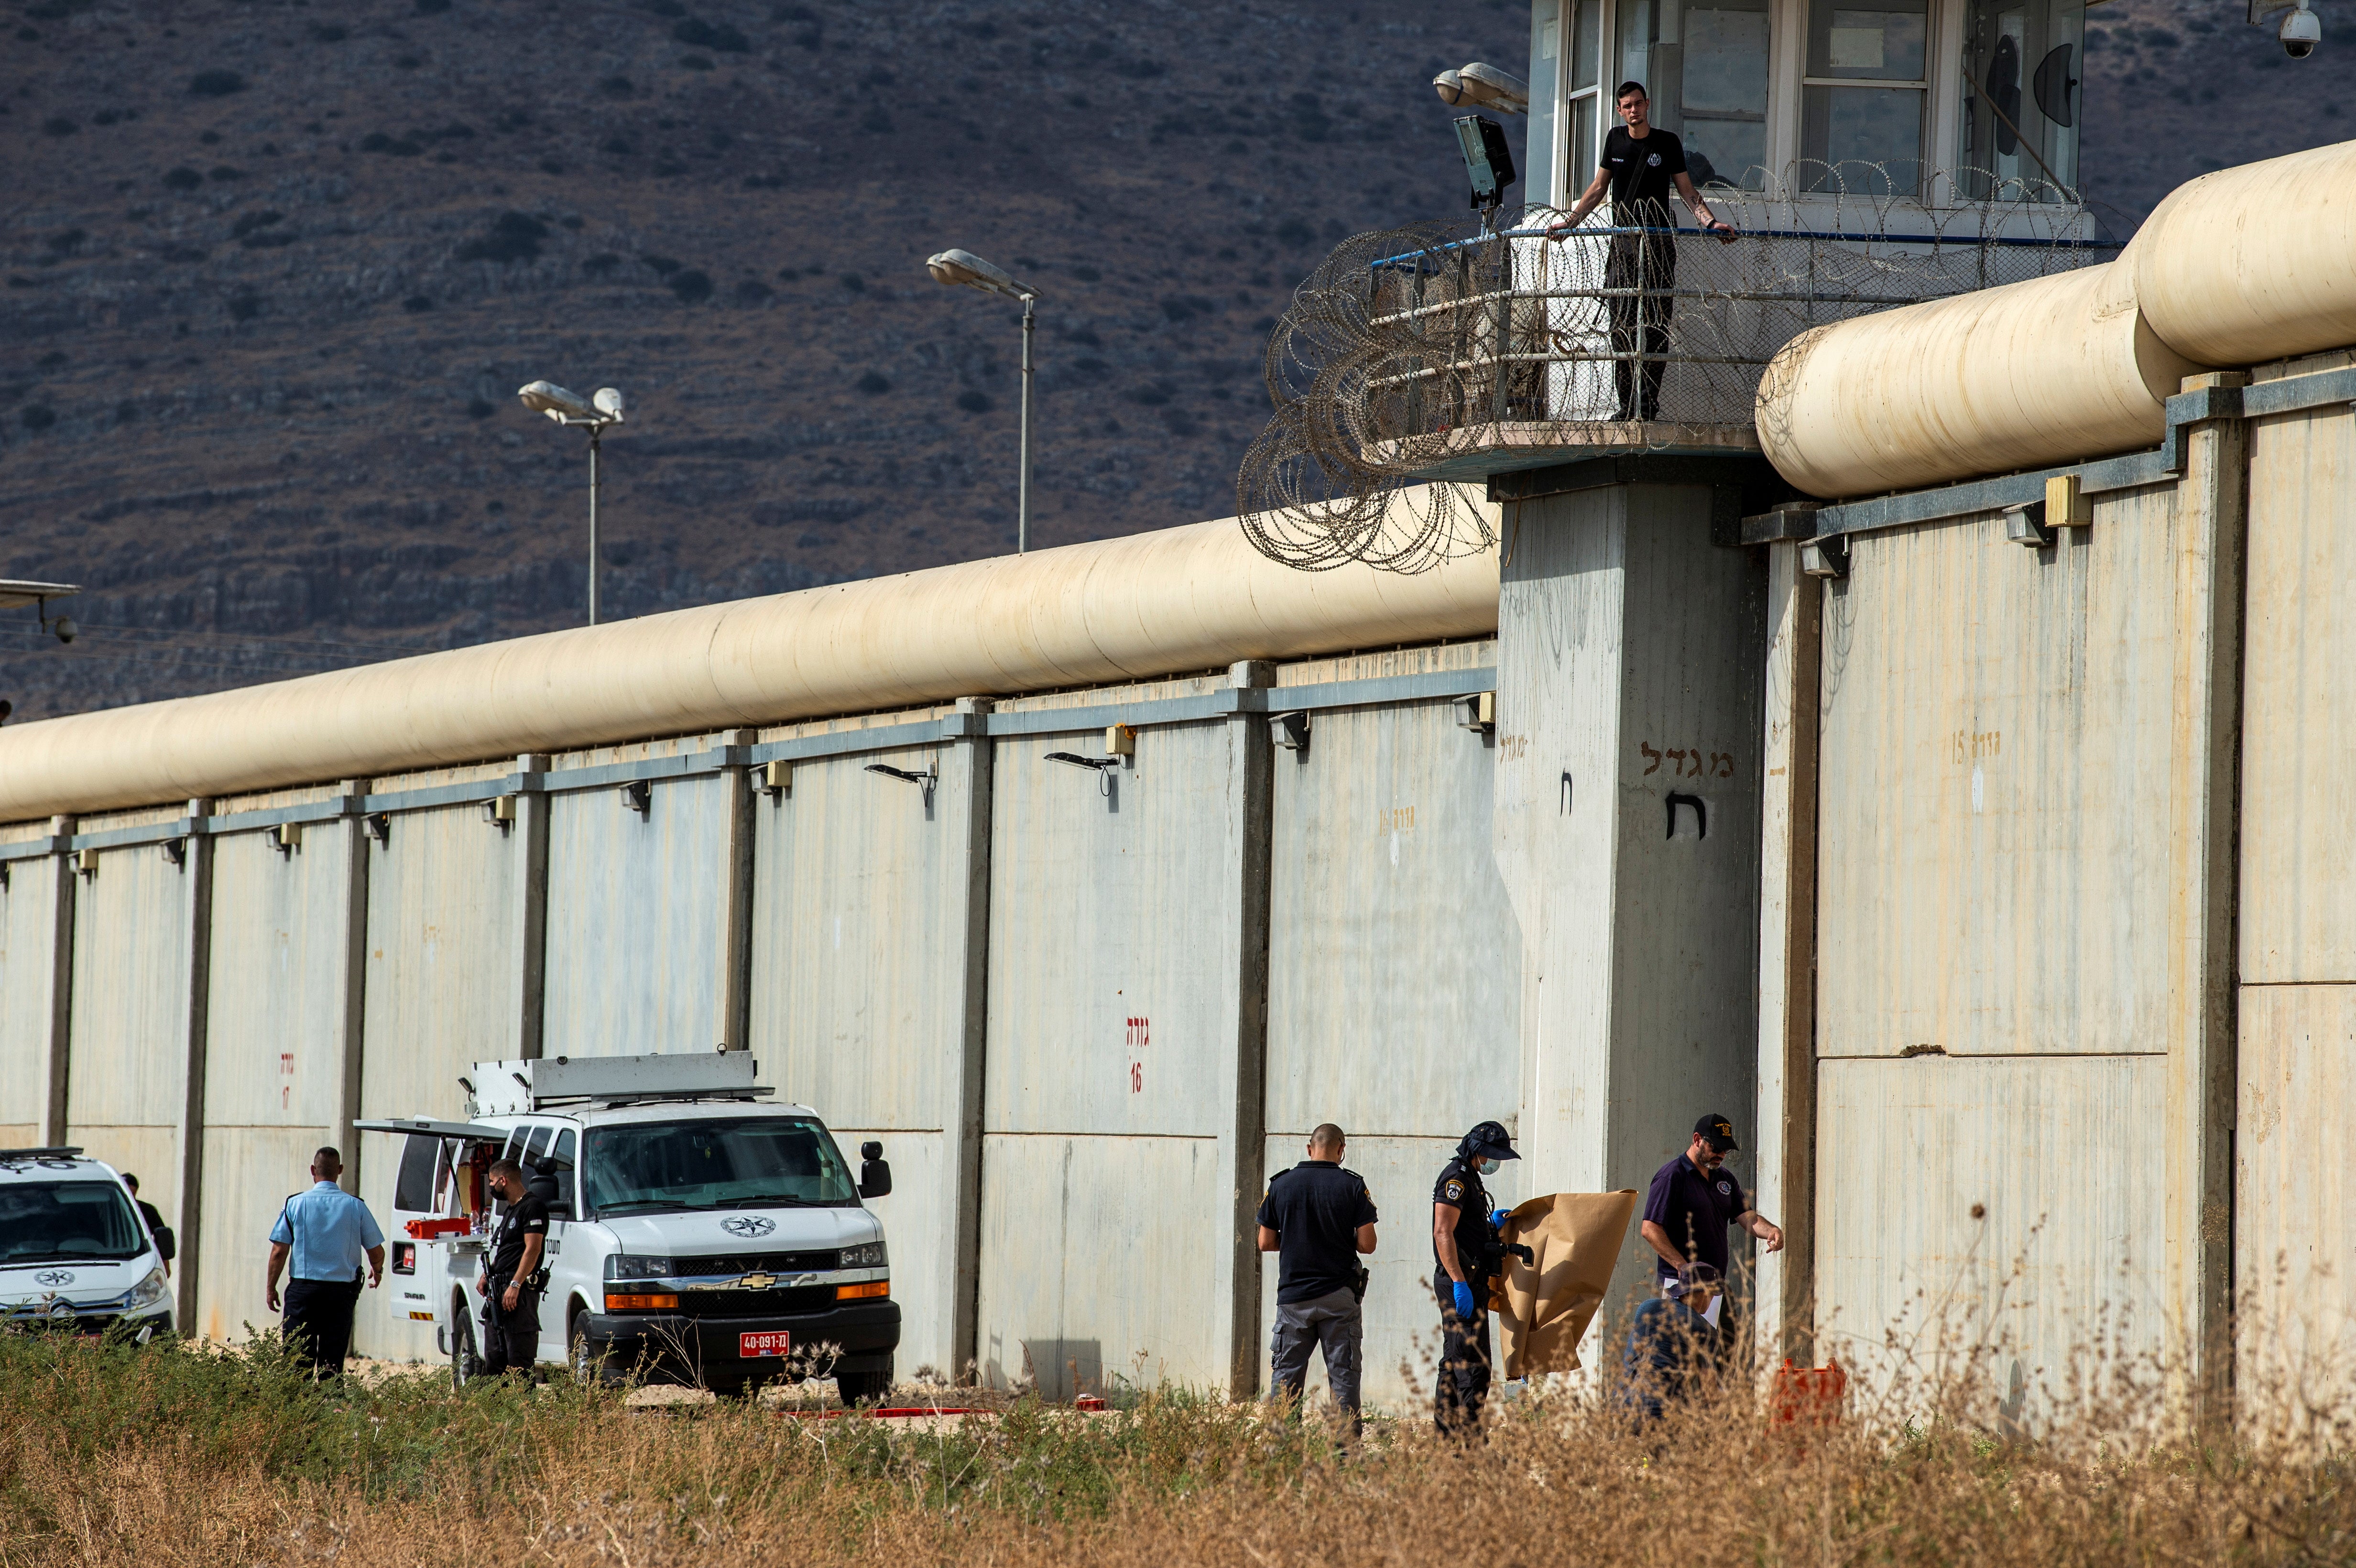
(1543, 1306)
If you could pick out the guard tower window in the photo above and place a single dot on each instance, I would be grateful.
(1704, 63)
(1584, 144)
(2022, 65)
(1863, 97)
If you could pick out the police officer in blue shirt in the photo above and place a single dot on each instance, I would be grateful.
(325, 1233)
(1694, 1199)
(1464, 1246)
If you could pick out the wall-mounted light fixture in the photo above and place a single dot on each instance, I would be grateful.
(1826, 557)
(1290, 730)
(175, 852)
(499, 811)
(86, 862)
(777, 779)
(1100, 766)
(287, 837)
(925, 780)
(1477, 711)
(379, 826)
(640, 796)
(2025, 525)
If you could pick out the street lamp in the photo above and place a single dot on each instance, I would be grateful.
(964, 267)
(592, 415)
(38, 594)
(1484, 87)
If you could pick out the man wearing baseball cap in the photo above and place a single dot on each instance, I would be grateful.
(1694, 1199)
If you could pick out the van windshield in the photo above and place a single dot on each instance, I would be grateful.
(747, 1162)
(68, 1221)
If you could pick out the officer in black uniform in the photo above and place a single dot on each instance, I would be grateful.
(1463, 1234)
(1319, 1217)
(509, 1284)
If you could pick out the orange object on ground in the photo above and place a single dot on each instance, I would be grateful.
(1806, 1396)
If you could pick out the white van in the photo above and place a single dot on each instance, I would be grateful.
(696, 1233)
(74, 1252)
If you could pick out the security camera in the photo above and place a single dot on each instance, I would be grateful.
(65, 628)
(2301, 30)
(554, 401)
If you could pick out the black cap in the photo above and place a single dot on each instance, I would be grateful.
(1487, 1141)
(1718, 1131)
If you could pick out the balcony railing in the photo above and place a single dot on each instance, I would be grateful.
(1442, 352)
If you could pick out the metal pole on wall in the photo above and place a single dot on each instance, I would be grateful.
(1023, 488)
(593, 434)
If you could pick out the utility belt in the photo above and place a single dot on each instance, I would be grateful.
(537, 1280)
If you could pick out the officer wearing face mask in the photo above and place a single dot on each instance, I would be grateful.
(1463, 1230)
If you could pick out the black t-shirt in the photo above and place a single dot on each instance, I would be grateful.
(527, 1216)
(1315, 1210)
(1694, 1209)
(1460, 1187)
(1643, 174)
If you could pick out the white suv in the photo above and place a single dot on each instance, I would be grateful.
(695, 1233)
(74, 1252)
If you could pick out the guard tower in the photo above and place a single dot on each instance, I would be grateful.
(1952, 101)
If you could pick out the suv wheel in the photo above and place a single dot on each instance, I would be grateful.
(465, 1364)
(863, 1388)
(587, 1366)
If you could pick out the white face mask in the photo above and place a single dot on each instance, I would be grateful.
(1488, 1168)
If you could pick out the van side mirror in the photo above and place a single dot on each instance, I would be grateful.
(874, 1175)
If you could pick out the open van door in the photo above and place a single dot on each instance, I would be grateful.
(441, 1223)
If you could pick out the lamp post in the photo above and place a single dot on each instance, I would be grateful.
(964, 267)
(592, 415)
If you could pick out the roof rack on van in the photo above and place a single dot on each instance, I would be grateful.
(520, 1088)
(58, 1153)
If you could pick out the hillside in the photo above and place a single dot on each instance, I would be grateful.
(275, 270)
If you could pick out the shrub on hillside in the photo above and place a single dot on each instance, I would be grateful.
(216, 83)
(691, 286)
(515, 236)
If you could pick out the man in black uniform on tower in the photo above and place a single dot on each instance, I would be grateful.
(1641, 163)
(507, 1285)
(1464, 1228)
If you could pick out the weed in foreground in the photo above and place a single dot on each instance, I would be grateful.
(112, 1454)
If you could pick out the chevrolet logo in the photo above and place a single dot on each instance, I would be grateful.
(754, 1281)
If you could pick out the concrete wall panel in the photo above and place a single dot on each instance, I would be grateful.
(2062, 1154)
(2293, 1212)
(27, 951)
(1994, 800)
(859, 960)
(1076, 1268)
(1394, 958)
(858, 939)
(1111, 938)
(633, 922)
(439, 996)
(273, 1080)
(127, 1085)
(2298, 793)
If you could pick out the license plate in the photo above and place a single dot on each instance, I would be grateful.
(769, 1342)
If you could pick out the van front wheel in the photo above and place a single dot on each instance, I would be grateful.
(587, 1363)
(465, 1364)
(863, 1388)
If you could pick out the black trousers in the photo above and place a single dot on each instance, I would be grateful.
(318, 1322)
(1463, 1383)
(1640, 322)
(510, 1339)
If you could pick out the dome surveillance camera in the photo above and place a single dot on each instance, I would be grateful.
(2301, 30)
(64, 628)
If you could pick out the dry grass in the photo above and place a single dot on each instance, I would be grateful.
(115, 1457)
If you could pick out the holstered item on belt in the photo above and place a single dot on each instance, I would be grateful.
(1360, 1277)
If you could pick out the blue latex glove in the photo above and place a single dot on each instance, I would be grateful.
(1463, 1302)
(1497, 1218)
